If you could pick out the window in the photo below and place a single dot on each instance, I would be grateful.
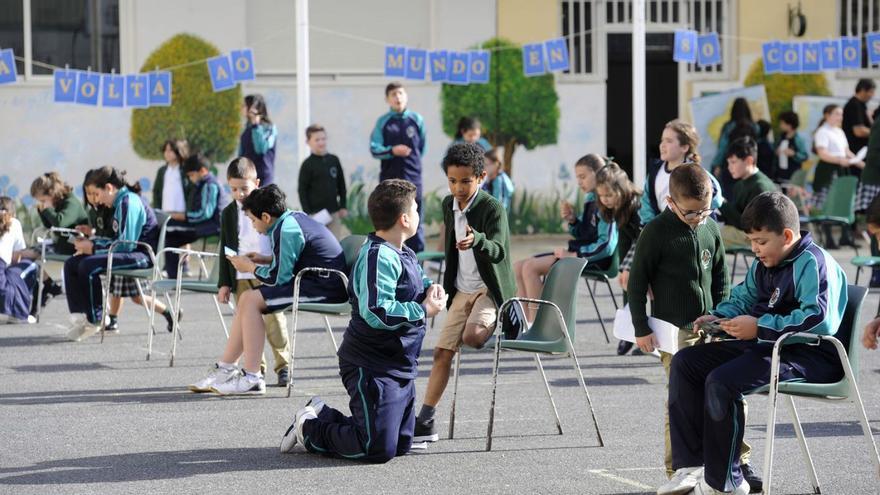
(578, 30)
(858, 17)
(81, 34)
(711, 16)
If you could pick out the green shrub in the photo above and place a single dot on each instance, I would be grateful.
(209, 121)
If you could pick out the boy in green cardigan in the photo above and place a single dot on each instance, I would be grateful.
(742, 159)
(237, 233)
(479, 275)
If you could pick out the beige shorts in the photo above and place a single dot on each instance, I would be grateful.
(477, 308)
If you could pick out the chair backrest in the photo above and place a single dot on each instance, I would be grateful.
(614, 268)
(848, 332)
(841, 199)
(351, 246)
(799, 178)
(214, 276)
(560, 288)
(162, 219)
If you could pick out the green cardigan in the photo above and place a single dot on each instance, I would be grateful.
(684, 267)
(69, 213)
(159, 185)
(228, 238)
(488, 219)
(744, 191)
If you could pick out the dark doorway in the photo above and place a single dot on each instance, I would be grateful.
(661, 74)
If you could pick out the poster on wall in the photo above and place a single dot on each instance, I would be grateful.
(710, 113)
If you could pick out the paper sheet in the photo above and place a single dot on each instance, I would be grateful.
(783, 158)
(860, 155)
(323, 216)
(666, 333)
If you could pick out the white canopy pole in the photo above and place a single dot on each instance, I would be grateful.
(303, 110)
(638, 98)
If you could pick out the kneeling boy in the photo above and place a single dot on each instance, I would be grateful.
(792, 286)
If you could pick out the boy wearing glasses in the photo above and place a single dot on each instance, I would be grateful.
(680, 258)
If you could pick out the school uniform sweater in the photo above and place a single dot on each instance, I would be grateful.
(321, 184)
(133, 220)
(491, 247)
(501, 188)
(744, 191)
(806, 292)
(684, 268)
(203, 205)
(395, 128)
(387, 291)
(257, 143)
(599, 237)
(68, 214)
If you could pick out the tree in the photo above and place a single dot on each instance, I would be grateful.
(782, 87)
(209, 121)
(514, 109)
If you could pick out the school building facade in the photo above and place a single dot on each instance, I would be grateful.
(347, 44)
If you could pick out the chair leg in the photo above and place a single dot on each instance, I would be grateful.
(330, 333)
(220, 315)
(175, 331)
(292, 348)
(802, 440)
(733, 267)
(495, 366)
(856, 397)
(772, 397)
(858, 272)
(577, 367)
(611, 291)
(39, 306)
(454, 394)
(598, 313)
(151, 330)
(549, 393)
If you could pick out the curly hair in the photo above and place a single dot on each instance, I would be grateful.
(465, 155)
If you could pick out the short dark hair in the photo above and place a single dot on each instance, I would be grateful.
(770, 210)
(391, 199)
(312, 129)
(465, 155)
(743, 148)
(790, 118)
(269, 199)
(865, 84)
(392, 86)
(872, 214)
(241, 168)
(194, 163)
(690, 181)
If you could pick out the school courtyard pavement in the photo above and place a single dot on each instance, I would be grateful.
(97, 418)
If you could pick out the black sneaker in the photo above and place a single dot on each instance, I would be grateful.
(112, 326)
(50, 291)
(425, 432)
(512, 322)
(756, 484)
(170, 320)
(623, 347)
(283, 377)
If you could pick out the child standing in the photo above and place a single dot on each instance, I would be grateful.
(791, 152)
(792, 286)
(391, 298)
(18, 275)
(497, 183)
(258, 140)
(202, 216)
(238, 233)
(479, 276)
(750, 182)
(172, 185)
(594, 238)
(297, 242)
(470, 130)
(398, 140)
(133, 220)
(322, 181)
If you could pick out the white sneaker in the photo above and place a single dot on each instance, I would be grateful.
(216, 375)
(704, 488)
(240, 384)
(83, 330)
(316, 403)
(293, 441)
(683, 481)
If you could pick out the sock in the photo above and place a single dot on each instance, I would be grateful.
(425, 414)
(225, 366)
(252, 377)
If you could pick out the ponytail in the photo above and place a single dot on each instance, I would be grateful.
(102, 176)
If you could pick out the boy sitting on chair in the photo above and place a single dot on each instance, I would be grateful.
(792, 286)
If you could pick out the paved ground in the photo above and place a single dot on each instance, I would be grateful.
(96, 418)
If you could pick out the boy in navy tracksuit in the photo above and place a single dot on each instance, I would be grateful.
(203, 205)
(133, 220)
(297, 242)
(378, 358)
(399, 141)
(792, 286)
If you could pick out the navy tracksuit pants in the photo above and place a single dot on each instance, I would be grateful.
(16, 288)
(706, 387)
(382, 421)
(82, 280)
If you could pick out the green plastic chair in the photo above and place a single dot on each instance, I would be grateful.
(605, 276)
(840, 203)
(552, 332)
(846, 342)
(201, 286)
(151, 274)
(351, 246)
(738, 251)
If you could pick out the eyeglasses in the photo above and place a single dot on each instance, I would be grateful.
(692, 214)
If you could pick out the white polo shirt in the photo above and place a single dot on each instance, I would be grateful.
(468, 277)
(250, 241)
(172, 190)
